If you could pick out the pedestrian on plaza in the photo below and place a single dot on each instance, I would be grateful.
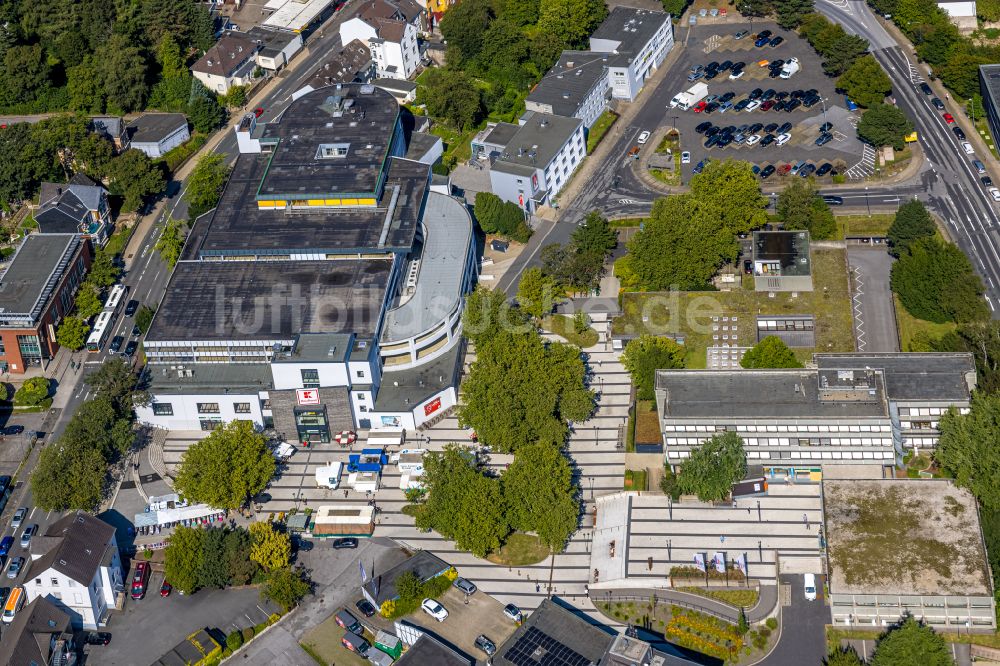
(345, 494)
(748, 511)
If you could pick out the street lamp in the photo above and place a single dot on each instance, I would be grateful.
(972, 110)
(867, 205)
(823, 101)
(591, 488)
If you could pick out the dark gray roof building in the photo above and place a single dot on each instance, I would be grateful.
(429, 650)
(553, 635)
(536, 142)
(155, 127)
(570, 83)
(39, 634)
(632, 28)
(84, 545)
(381, 587)
(31, 275)
(915, 376)
(351, 63)
(989, 88)
(63, 208)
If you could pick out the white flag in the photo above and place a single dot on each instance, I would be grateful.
(741, 563)
(719, 560)
(364, 576)
(699, 561)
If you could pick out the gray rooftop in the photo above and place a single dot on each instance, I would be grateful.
(33, 273)
(429, 650)
(536, 142)
(990, 75)
(344, 65)
(789, 248)
(632, 28)
(549, 634)
(420, 144)
(501, 134)
(211, 378)
(447, 238)
(266, 300)
(402, 390)
(63, 206)
(904, 537)
(781, 394)
(398, 85)
(326, 347)
(238, 227)
(424, 565)
(271, 42)
(27, 640)
(154, 127)
(361, 116)
(914, 376)
(84, 544)
(566, 86)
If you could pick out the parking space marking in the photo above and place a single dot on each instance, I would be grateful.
(865, 166)
(711, 44)
(859, 320)
(915, 77)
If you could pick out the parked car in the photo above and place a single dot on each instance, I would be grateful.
(465, 585)
(685, 157)
(767, 105)
(741, 34)
(15, 567)
(767, 140)
(995, 193)
(938, 104)
(791, 105)
(19, 517)
(366, 608)
(782, 139)
(967, 147)
(770, 127)
(131, 307)
(755, 104)
(725, 65)
(12, 430)
(823, 139)
(768, 94)
(345, 542)
(948, 118)
(139, 579)
(728, 96)
(980, 167)
(97, 638)
(753, 139)
(5, 545)
(761, 41)
(699, 167)
(258, 112)
(826, 127)
(116, 343)
(959, 133)
(736, 74)
(807, 170)
(926, 89)
(785, 127)
(26, 535)
(767, 171)
(987, 181)
(703, 127)
(130, 347)
(512, 612)
(166, 589)
(776, 41)
(486, 645)
(824, 169)
(643, 137)
(434, 609)
(809, 580)
(765, 33)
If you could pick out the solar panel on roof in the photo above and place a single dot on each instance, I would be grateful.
(536, 648)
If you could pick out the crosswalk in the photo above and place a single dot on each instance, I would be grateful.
(865, 166)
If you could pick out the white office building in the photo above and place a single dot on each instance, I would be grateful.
(637, 41)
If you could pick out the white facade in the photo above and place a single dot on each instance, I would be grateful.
(959, 9)
(160, 148)
(628, 72)
(203, 411)
(394, 59)
(221, 84)
(87, 603)
(275, 61)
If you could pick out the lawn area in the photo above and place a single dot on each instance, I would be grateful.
(835, 634)
(599, 129)
(322, 642)
(688, 315)
(740, 598)
(636, 479)
(864, 225)
(520, 550)
(647, 424)
(909, 326)
(563, 326)
(627, 222)
(457, 146)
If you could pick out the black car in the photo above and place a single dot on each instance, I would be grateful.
(926, 89)
(711, 108)
(711, 74)
(135, 331)
(776, 41)
(703, 127)
(738, 66)
(809, 101)
(938, 104)
(778, 106)
(770, 127)
(797, 94)
(12, 430)
(131, 307)
(4, 593)
(712, 65)
(764, 33)
(726, 64)
(776, 64)
(784, 128)
(823, 139)
(987, 181)
(830, 199)
(345, 542)
(725, 140)
(767, 140)
(768, 94)
(825, 169)
(742, 104)
(97, 638)
(958, 132)
(743, 128)
(791, 105)
(756, 93)
(131, 347)
(116, 343)
(783, 95)
(728, 96)
(756, 127)
(712, 131)
(826, 127)
(806, 170)
(365, 607)
(774, 73)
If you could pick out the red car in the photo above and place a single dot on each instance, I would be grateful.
(258, 112)
(139, 580)
(700, 106)
(166, 589)
(948, 118)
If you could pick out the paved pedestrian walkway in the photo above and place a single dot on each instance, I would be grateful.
(765, 607)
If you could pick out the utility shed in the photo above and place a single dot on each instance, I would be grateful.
(899, 546)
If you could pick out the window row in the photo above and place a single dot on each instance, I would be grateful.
(786, 441)
(803, 455)
(781, 428)
(167, 409)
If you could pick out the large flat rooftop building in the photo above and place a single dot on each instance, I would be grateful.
(849, 409)
(327, 263)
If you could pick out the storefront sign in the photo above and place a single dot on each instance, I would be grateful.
(307, 396)
(432, 406)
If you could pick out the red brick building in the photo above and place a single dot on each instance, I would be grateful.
(36, 291)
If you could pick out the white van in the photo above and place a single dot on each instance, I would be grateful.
(809, 581)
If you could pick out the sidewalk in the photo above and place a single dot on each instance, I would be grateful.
(764, 608)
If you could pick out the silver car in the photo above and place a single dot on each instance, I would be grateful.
(465, 585)
(15, 567)
(19, 517)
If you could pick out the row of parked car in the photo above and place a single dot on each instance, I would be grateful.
(763, 100)
(753, 134)
(802, 168)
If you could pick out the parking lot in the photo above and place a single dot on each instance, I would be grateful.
(482, 615)
(842, 152)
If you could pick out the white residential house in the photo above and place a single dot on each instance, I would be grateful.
(639, 40)
(230, 62)
(961, 12)
(275, 48)
(156, 134)
(390, 29)
(76, 566)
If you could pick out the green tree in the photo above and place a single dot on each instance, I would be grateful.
(212, 570)
(571, 20)
(935, 281)
(103, 270)
(865, 82)
(68, 477)
(505, 49)
(911, 642)
(234, 641)
(32, 392)
(487, 313)
(595, 235)
(714, 467)
(884, 125)
(144, 317)
(571, 267)
(733, 188)
(286, 587)
(669, 484)
(121, 70)
(205, 113)
(236, 554)
(171, 241)
(115, 381)
(205, 184)
(463, 27)
(227, 468)
(966, 449)
(72, 333)
(409, 587)
(843, 656)
(450, 94)
(235, 98)
(742, 625)
(771, 352)
(536, 294)
(791, 12)
(843, 53)
(496, 216)
(911, 223)
(135, 177)
(270, 548)
(540, 495)
(645, 355)
(182, 558)
(96, 425)
(26, 73)
(800, 206)
(88, 303)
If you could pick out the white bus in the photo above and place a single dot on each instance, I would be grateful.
(116, 299)
(101, 330)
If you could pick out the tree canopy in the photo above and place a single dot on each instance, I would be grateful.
(537, 295)
(540, 496)
(269, 548)
(450, 93)
(645, 355)
(911, 643)
(935, 281)
(579, 264)
(843, 657)
(865, 82)
(504, 218)
(800, 206)
(884, 125)
(967, 449)
(205, 184)
(286, 587)
(771, 352)
(197, 558)
(32, 391)
(227, 468)
(714, 467)
(487, 313)
(911, 223)
(171, 241)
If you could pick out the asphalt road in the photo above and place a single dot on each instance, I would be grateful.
(873, 309)
(803, 639)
